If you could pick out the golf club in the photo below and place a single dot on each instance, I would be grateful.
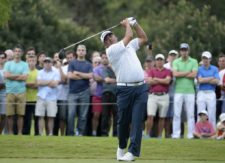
(62, 51)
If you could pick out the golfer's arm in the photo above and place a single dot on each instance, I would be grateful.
(143, 39)
(128, 35)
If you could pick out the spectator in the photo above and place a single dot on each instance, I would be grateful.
(94, 54)
(97, 96)
(9, 54)
(220, 96)
(15, 73)
(56, 58)
(31, 96)
(30, 51)
(172, 55)
(221, 127)
(208, 78)
(159, 79)
(109, 98)
(40, 60)
(47, 80)
(62, 96)
(185, 70)
(204, 128)
(3, 58)
(79, 74)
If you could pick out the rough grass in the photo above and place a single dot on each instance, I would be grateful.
(89, 149)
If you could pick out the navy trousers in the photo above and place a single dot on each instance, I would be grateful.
(131, 101)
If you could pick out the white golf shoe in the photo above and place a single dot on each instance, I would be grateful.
(127, 157)
(120, 153)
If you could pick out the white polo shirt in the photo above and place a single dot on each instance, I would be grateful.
(125, 62)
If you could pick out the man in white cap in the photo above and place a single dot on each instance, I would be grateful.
(131, 90)
(159, 78)
(208, 78)
(185, 70)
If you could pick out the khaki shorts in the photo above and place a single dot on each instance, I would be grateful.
(15, 104)
(43, 106)
(158, 102)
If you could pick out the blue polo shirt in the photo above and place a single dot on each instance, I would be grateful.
(77, 86)
(212, 71)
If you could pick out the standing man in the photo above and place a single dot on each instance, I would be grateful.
(208, 78)
(15, 73)
(184, 70)
(31, 96)
(132, 93)
(47, 80)
(159, 79)
(79, 74)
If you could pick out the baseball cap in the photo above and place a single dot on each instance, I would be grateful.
(104, 34)
(184, 46)
(222, 117)
(48, 59)
(207, 54)
(173, 52)
(203, 112)
(159, 56)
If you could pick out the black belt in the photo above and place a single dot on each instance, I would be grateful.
(159, 93)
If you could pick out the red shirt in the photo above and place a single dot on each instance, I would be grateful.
(159, 74)
(205, 127)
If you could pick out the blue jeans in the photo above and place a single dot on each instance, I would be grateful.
(131, 104)
(81, 111)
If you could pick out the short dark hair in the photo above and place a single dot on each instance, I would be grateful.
(40, 53)
(102, 53)
(31, 48)
(18, 46)
(3, 53)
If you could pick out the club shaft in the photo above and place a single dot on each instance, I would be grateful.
(90, 37)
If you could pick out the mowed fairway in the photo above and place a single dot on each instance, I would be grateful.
(18, 149)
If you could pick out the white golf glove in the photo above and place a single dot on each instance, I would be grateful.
(132, 21)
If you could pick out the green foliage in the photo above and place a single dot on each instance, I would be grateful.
(4, 11)
(50, 25)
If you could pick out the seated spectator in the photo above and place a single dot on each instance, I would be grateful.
(221, 127)
(204, 128)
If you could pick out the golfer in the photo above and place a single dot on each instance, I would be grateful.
(132, 92)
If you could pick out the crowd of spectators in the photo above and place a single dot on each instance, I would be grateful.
(73, 95)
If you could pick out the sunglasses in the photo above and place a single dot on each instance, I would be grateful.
(97, 62)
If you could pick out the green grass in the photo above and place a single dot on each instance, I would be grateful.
(88, 149)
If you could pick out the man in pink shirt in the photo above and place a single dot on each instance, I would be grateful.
(204, 128)
(159, 78)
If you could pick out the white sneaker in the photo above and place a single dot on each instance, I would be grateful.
(127, 157)
(120, 153)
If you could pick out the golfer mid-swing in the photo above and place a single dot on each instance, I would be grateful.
(132, 92)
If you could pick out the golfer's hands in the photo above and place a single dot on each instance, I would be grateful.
(132, 21)
(125, 23)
